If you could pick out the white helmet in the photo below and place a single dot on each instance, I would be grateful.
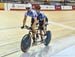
(29, 5)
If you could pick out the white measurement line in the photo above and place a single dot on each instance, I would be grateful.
(64, 26)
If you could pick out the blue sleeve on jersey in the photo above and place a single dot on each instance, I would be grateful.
(41, 16)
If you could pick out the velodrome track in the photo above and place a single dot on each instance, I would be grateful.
(11, 34)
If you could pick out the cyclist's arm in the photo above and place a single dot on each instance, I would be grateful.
(43, 17)
(24, 20)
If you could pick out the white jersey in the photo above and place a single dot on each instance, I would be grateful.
(32, 13)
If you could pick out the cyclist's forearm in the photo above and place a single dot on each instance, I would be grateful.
(24, 21)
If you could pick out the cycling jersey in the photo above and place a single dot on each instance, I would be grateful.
(41, 16)
(32, 13)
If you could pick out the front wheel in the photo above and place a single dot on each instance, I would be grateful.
(25, 43)
(48, 38)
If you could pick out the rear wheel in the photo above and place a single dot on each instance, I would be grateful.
(48, 38)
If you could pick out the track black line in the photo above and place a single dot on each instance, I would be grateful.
(10, 53)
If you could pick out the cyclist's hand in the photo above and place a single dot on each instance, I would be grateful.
(22, 27)
(26, 27)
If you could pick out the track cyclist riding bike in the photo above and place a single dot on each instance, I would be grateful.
(36, 17)
(33, 14)
(43, 21)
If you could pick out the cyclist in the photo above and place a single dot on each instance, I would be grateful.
(33, 14)
(43, 21)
